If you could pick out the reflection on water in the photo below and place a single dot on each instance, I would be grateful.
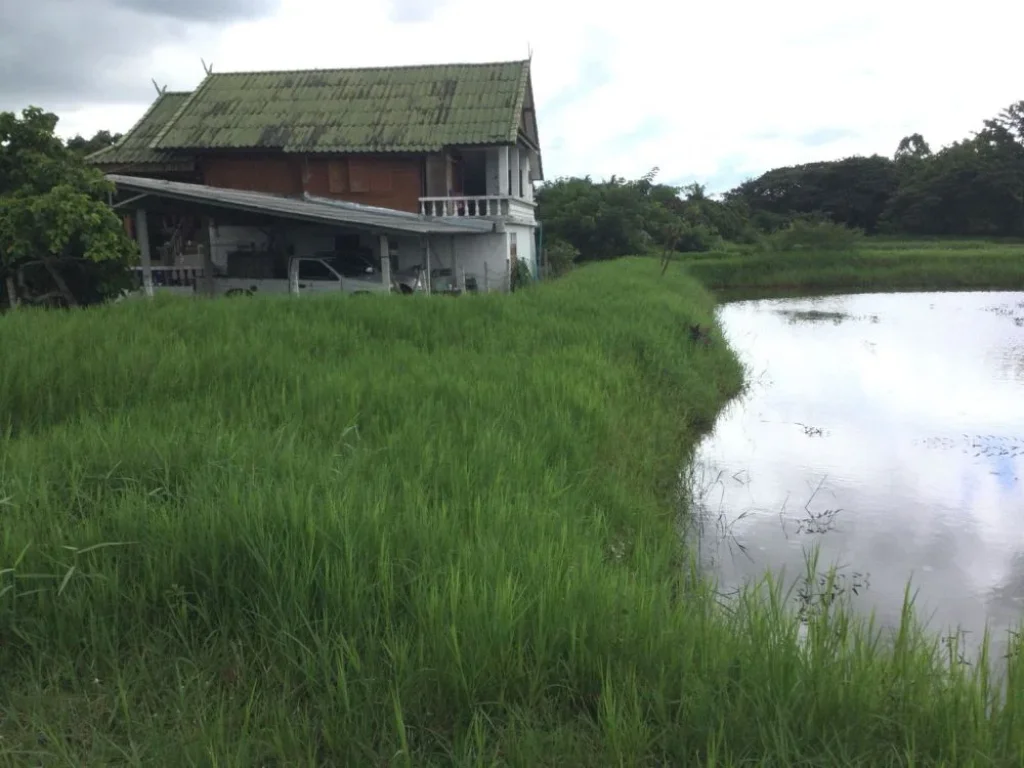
(889, 430)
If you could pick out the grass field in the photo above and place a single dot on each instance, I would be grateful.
(382, 532)
(879, 264)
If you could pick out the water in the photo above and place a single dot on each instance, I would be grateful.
(889, 430)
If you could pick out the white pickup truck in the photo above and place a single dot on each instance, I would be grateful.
(307, 274)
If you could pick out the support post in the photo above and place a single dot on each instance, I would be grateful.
(515, 169)
(385, 262)
(293, 276)
(457, 272)
(487, 279)
(428, 286)
(503, 171)
(142, 233)
(207, 246)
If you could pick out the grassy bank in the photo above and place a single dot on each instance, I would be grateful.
(878, 264)
(408, 532)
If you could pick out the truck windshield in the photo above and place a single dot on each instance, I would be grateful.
(314, 269)
(351, 265)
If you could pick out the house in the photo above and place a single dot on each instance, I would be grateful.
(416, 165)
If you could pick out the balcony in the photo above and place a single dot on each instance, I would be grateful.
(479, 206)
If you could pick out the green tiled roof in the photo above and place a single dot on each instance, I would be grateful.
(393, 109)
(133, 150)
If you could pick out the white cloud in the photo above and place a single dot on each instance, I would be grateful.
(723, 89)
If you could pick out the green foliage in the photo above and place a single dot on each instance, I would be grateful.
(53, 208)
(811, 235)
(973, 187)
(100, 140)
(609, 219)
(852, 192)
(602, 220)
(521, 276)
(559, 256)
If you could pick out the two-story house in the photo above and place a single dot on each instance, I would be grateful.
(422, 164)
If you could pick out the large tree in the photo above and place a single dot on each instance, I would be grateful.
(972, 187)
(59, 239)
(853, 191)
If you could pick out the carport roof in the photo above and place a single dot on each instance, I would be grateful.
(313, 209)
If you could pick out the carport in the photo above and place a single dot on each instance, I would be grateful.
(143, 195)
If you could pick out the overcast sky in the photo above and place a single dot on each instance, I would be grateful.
(712, 92)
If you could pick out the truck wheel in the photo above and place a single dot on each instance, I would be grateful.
(405, 290)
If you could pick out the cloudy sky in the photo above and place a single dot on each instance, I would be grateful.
(708, 92)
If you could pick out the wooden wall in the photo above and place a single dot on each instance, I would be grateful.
(388, 181)
(278, 174)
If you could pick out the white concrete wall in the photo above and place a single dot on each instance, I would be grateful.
(227, 238)
(410, 252)
(483, 256)
(526, 249)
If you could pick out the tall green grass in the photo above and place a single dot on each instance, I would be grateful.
(412, 531)
(877, 264)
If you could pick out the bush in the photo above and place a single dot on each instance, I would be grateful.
(521, 276)
(815, 235)
(698, 238)
(560, 257)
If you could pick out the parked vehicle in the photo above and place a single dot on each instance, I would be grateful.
(308, 274)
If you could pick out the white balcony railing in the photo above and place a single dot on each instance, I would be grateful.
(483, 206)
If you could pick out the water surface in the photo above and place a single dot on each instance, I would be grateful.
(889, 430)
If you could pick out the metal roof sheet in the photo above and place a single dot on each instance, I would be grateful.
(315, 209)
(384, 109)
(133, 152)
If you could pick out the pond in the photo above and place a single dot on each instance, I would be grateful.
(887, 431)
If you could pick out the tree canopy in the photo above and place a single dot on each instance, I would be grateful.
(59, 239)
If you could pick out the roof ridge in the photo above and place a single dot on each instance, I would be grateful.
(138, 124)
(517, 111)
(154, 144)
(315, 70)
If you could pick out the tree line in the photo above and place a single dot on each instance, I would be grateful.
(973, 187)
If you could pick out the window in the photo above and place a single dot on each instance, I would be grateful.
(513, 245)
(311, 269)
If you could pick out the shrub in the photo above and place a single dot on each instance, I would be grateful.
(560, 257)
(521, 276)
(815, 235)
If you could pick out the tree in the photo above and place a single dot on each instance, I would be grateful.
(602, 220)
(853, 192)
(972, 187)
(913, 147)
(54, 215)
(100, 140)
